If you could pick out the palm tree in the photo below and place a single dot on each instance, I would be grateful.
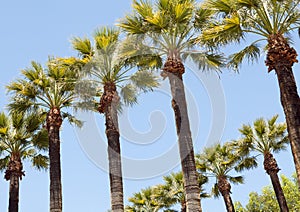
(166, 29)
(271, 21)
(21, 137)
(172, 191)
(265, 137)
(145, 201)
(218, 161)
(106, 69)
(52, 90)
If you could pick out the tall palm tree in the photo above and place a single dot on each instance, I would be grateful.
(218, 161)
(106, 69)
(21, 137)
(166, 28)
(265, 137)
(271, 21)
(172, 191)
(53, 90)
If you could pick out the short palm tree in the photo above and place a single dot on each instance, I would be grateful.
(165, 29)
(270, 21)
(53, 90)
(21, 137)
(172, 191)
(218, 161)
(265, 137)
(145, 201)
(107, 70)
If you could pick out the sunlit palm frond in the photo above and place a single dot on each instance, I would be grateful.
(83, 46)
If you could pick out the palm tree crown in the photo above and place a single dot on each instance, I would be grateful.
(265, 137)
(233, 20)
(218, 161)
(21, 137)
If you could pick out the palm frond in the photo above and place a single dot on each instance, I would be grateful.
(41, 162)
(129, 94)
(246, 163)
(40, 140)
(215, 191)
(251, 53)
(236, 180)
(206, 61)
(144, 80)
(72, 119)
(4, 162)
(83, 46)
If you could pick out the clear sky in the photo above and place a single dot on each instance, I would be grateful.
(34, 30)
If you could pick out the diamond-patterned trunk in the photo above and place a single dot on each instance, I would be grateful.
(109, 103)
(281, 58)
(225, 187)
(14, 174)
(174, 69)
(271, 167)
(54, 121)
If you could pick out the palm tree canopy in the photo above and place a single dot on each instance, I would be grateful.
(264, 136)
(144, 201)
(104, 63)
(166, 28)
(233, 19)
(48, 88)
(218, 161)
(22, 135)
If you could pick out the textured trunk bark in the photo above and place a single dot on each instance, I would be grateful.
(225, 187)
(14, 174)
(291, 105)
(281, 57)
(272, 169)
(228, 203)
(174, 69)
(109, 104)
(13, 193)
(54, 122)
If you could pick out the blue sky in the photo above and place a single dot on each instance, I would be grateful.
(34, 30)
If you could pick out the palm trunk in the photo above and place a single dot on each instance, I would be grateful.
(54, 122)
(272, 169)
(108, 104)
(13, 205)
(281, 57)
(174, 69)
(13, 174)
(225, 187)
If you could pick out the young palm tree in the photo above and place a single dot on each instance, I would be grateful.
(172, 191)
(106, 69)
(145, 201)
(52, 90)
(21, 137)
(265, 137)
(165, 28)
(271, 21)
(218, 161)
